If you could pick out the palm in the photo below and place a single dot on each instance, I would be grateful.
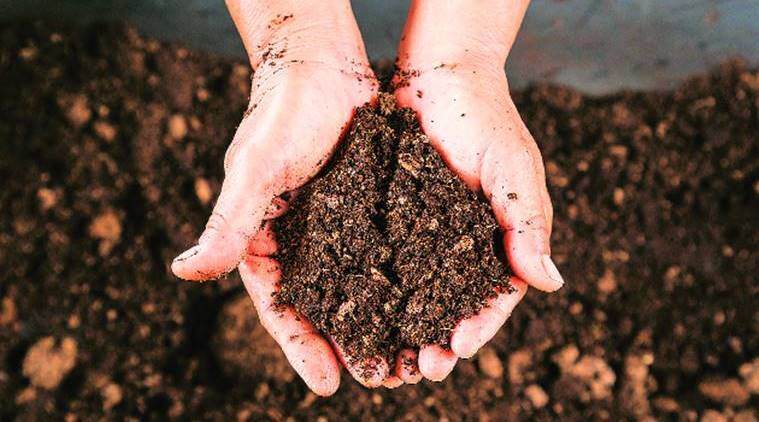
(467, 113)
(295, 118)
(297, 113)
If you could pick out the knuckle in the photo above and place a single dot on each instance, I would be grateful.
(231, 153)
(216, 223)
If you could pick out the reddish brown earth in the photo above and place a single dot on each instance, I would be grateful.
(386, 248)
(111, 155)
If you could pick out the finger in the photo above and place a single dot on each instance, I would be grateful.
(393, 381)
(236, 217)
(370, 372)
(308, 352)
(406, 367)
(279, 205)
(263, 243)
(472, 333)
(435, 363)
(515, 190)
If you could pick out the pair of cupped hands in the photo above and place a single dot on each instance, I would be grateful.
(311, 73)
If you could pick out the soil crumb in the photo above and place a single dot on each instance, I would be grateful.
(387, 248)
(46, 364)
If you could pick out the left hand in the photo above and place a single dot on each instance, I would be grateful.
(463, 104)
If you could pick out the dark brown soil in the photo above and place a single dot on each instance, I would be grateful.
(111, 149)
(387, 248)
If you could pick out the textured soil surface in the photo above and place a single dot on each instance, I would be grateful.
(387, 248)
(111, 151)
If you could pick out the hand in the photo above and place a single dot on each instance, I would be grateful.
(311, 72)
(458, 88)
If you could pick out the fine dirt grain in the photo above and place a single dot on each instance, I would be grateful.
(387, 248)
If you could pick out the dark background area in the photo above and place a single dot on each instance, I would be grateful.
(596, 46)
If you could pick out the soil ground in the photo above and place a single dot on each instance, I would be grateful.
(111, 154)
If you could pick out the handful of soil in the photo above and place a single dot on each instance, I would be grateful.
(386, 248)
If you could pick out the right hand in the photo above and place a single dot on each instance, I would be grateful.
(311, 72)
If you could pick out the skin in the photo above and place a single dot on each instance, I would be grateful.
(311, 72)
(460, 92)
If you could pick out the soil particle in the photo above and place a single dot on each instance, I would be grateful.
(7, 311)
(749, 371)
(105, 130)
(177, 126)
(203, 190)
(536, 395)
(387, 248)
(607, 283)
(593, 373)
(712, 415)
(489, 363)
(77, 109)
(47, 363)
(48, 198)
(112, 396)
(726, 391)
(520, 362)
(747, 415)
(107, 228)
(635, 383)
(666, 404)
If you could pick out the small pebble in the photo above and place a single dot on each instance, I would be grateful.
(177, 127)
(489, 363)
(536, 395)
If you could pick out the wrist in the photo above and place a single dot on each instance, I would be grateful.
(456, 33)
(298, 31)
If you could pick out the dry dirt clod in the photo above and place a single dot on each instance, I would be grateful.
(78, 111)
(566, 357)
(712, 415)
(596, 374)
(520, 362)
(177, 127)
(112, 396)
(47, 363)
(489, 363)
(105, 130)
(748, 415)
(726, 391)
(48, 198)
(536, 395)
(750, 373)
(607, 283)
(203, 190)
(107, 228)
(592, 372)
(7, 311)
(634, 397)
(666, 404)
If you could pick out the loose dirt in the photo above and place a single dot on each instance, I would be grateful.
(655, 198)
(387, 248)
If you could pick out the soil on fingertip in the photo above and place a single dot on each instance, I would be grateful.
(387, 248)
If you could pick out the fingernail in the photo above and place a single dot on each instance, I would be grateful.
(551, 270)
(188, 254)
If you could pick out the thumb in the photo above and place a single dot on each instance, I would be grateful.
(517, 192)
(237, 216)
